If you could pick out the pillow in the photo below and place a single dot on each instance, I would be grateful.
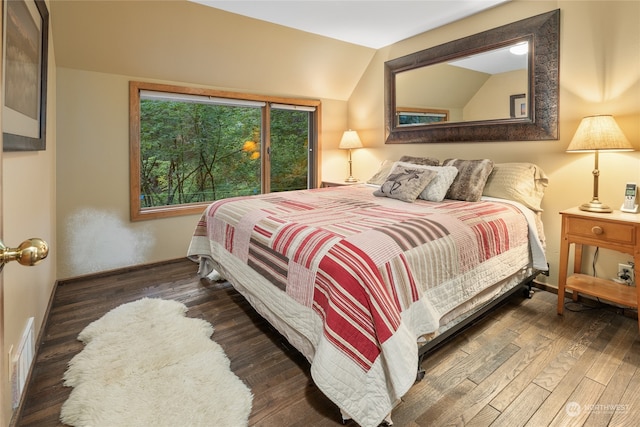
(425, 161)
(521, 182)
(471, 178)
(405, 183)
(437, 188)
(385, 168)
(379, 177)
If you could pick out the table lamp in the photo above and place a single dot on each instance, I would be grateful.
(595, 134)
(350, 140)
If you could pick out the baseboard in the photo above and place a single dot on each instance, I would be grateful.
(116, 271)
(545, 287)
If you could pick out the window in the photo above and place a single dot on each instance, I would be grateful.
(420, 116)
(290, 127)
(189, 147)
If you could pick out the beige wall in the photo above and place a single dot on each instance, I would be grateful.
(599, 74)
(29, 199)
(175, 42)
(94, 230)
(181, 41)
(423, 87)
(489, 102)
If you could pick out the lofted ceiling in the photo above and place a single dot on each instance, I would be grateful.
(374, 24)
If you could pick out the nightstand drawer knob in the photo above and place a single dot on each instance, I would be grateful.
(597, 230)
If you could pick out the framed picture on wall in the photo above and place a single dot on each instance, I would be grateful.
(26, 29)
(518, 106)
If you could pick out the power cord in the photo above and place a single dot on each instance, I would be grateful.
(578, 307)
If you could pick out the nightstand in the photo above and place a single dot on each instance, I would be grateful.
(326, 184)
(617, 231)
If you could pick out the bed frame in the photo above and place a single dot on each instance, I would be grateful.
(437, 342)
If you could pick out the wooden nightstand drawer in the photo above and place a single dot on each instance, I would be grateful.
(602, 230)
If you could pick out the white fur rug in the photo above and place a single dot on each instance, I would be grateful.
(146, 364)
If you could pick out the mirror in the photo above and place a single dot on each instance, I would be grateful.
(499, 85)
(465, 89)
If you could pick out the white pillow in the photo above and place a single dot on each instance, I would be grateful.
(522, 182)
(438, 187)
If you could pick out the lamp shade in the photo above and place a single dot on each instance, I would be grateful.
(350, 139)
(599, 133)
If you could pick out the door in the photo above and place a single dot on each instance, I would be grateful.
(28, 252)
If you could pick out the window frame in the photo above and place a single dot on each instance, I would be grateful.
(137, 213)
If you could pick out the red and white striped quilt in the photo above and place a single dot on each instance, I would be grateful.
(377, 273)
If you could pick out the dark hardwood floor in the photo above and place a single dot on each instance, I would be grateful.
(522, 365)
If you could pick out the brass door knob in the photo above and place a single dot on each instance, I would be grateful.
(30, 252)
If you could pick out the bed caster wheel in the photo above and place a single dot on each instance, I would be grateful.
(527, 292)
(420, 375)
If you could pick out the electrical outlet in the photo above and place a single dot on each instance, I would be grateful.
(625, 273)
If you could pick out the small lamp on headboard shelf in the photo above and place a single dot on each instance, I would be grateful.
(350, 140)
(595, 134)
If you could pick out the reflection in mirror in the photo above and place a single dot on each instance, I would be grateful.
(498, 85)
(408, 116)
(475, 87)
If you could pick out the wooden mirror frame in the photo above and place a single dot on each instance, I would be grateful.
(543, 33)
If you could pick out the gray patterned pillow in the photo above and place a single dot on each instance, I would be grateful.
(437, 188)
(425, 161)
(381, 175)
(405, 183)
(471, 179)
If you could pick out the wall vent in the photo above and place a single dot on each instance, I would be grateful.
(22, 362)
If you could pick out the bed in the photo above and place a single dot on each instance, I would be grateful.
(362, 280)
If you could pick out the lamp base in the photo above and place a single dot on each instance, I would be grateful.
(595, 206)
(351, 179)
